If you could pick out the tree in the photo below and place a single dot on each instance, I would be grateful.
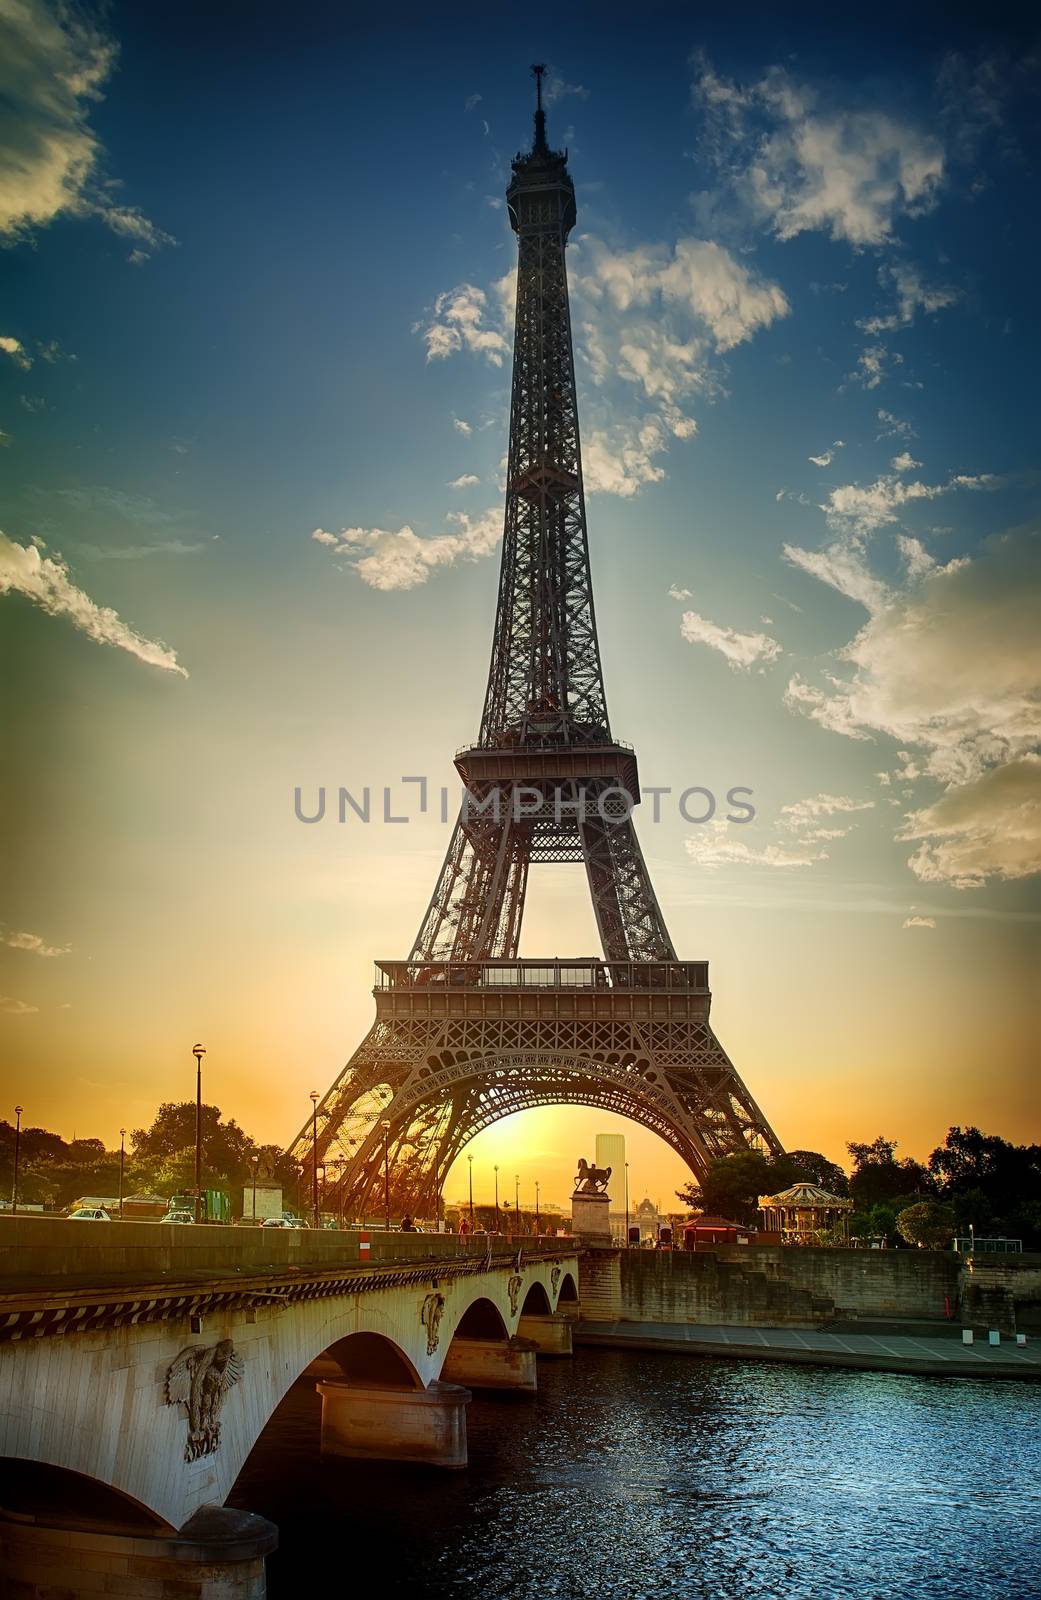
(992, 1184)
(928, 1224)
(808, 1166)
(878, 1176)
(731, 1187)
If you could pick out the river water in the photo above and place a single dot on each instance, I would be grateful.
(655, 1476)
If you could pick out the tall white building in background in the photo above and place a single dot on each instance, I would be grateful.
(610, 1152)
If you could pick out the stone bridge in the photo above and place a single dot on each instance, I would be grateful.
(133, 1386)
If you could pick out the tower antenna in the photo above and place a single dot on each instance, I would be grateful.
(540, 146)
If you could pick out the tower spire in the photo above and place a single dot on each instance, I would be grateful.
(540, 147)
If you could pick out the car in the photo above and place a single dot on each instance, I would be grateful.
(282, 1222)
(89, 1214)
(178, 1216)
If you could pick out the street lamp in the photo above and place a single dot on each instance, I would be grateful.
(198, 1051)
(537, 1228)
(470, 1160)
(627, 1205)
(17, 1151)
(385, 1125)
(315, 1097)
(496, 1197)
(254, 1162)
(122, 1159)
(516, 1200)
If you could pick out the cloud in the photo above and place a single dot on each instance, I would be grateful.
(54, 63)
(716, 844)
(989, 827)
(949, 664)
(16, 1008)
(893, 428)
(912, 295)
(795, 160)
(676, 593)
(462, 427)
(649, 322)
(556, 88)
(826, 457)
(871, 366)
(45, 580)
(471, 101)
(740, 650)
(918, 922)
(459, 323)
(904, 462)
(843, 568)
(16, 350)
(466, 481)
(402, 560)
(32, 943)
(804, 815)
(697, 277)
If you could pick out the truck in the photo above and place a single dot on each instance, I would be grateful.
(214, 1204)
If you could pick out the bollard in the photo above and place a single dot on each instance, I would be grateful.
(994, 1336)
(967, 1336)
(364, 1247)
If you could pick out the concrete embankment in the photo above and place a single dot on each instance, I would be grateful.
(938, 1356)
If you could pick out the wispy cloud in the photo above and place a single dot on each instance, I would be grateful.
(54, 62)
(739, 650)
(32, 943)
(722, 844)
(389, 560)
(467, 480)
(795, 160)
(918, 922)
(16, 350)
(45, 580)
(16, 1008)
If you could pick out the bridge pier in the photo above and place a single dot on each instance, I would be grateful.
(217, 1555)
(549, 1333)
(395, 1424)
(491, 1364)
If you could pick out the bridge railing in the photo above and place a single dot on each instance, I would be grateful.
(34, 1248)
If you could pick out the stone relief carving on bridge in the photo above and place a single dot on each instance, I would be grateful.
(199, 1378)
(430, 1317)
(554, 1278)
(513, 1289)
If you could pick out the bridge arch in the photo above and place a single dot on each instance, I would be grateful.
(536, 1302)
(567, 1291)
(482, 1319)
(367, 1358)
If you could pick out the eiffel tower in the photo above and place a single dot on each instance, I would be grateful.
(465, 1032)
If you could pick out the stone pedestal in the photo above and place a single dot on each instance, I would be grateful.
(491, 1364)
(218, 1555)
(590, 1217)
(386, 1424)
(551, 1335)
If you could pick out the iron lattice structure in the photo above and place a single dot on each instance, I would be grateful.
(465, 1033)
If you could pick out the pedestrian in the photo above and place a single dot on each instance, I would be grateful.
(407, 1225)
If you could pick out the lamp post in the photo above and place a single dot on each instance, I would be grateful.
(627, 1205)
(496, 1197)
(17, 1151)
(386, 1173)
(516, 1200)
(470, 1161)
(198, 1051)
(122, 1159)
(538, 1230)
(314, 1157)
(254, 1162)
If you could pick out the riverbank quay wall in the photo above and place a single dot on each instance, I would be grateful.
(802, 1287)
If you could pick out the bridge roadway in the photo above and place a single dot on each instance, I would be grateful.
(139, 1364)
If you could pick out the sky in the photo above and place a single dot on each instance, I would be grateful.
(255, 341)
